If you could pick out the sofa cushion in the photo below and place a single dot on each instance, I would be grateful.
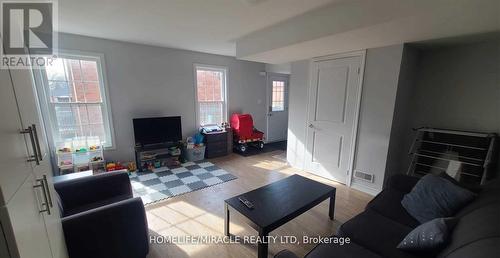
(388, 203)
(97, 204)
(435, 197)
(476, 226)
(403, 183)
(489, 194)
(483, 248)
(346, 250)
(376, 233)
(285, 254)
(431, 235)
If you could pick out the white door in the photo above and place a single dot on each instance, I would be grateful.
(333, 105)
(277, 103)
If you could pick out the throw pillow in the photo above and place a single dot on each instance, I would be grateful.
(429, 236)
(434, 197)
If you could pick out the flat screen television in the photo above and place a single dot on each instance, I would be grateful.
(157, 130)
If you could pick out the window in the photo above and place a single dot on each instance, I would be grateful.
(76, 99)
(211, 95)
(278, 97)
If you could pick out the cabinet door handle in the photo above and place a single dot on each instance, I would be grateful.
(37, 143)
(35, 156)
(48, 190)
(45, 204)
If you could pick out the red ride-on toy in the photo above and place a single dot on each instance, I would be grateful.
(244, 133)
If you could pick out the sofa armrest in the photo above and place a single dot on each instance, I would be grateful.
(403, 183)
(84, 191)
(116, 230)
(285, 254)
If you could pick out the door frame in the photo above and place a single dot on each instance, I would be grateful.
(268, 96)
(362, 54)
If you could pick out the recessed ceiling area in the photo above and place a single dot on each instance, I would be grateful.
(355, 25)
(209, 26)
(277, 31)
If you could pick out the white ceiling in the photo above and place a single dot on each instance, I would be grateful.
(210, 26)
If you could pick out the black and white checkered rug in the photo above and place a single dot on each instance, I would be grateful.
(164, 183)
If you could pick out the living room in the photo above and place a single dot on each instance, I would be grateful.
(254, 128)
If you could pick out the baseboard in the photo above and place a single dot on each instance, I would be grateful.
(365, 189)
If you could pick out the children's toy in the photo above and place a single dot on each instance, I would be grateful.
(174, 151)
(64, 150)
(66, 163)
(131, 166)
(244, 132)
(96, 159)
(198, 138)
(114, 166)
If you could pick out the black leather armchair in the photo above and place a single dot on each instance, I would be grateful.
(100, 217)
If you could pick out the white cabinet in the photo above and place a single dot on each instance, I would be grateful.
(26, 227)
(29, 215)
(14, 167)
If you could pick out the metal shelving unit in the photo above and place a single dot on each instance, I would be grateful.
(469, 157)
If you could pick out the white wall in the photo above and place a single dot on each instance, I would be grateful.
(376, 113)
(297, 113)
(377, 109)
(154, 81)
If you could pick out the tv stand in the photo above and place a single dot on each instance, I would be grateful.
(155, 156)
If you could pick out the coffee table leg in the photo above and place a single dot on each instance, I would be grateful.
(332, 206)
(262, 246)
(226, 220)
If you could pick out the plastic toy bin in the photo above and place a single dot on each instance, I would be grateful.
(195, 154)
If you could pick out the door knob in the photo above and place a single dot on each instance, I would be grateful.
(311, 126)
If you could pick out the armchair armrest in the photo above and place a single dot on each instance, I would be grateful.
(116, 230)
(285, 254)
(83, 192)
(403, 183)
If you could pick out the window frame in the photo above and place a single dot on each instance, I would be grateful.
(285, 84)
(225, 102)
(48, 110)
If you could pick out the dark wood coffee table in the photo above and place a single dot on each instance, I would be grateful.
(277, 203)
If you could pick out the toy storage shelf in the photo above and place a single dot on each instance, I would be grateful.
(152, 155)
(73, 161)
(469, 157)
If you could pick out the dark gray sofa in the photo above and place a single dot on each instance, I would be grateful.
(380, 228)
(100, 217)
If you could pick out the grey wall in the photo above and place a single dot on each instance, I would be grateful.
(401, 132)
(457, 87)
(153, 81)
(279, 68)
(376, 113)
